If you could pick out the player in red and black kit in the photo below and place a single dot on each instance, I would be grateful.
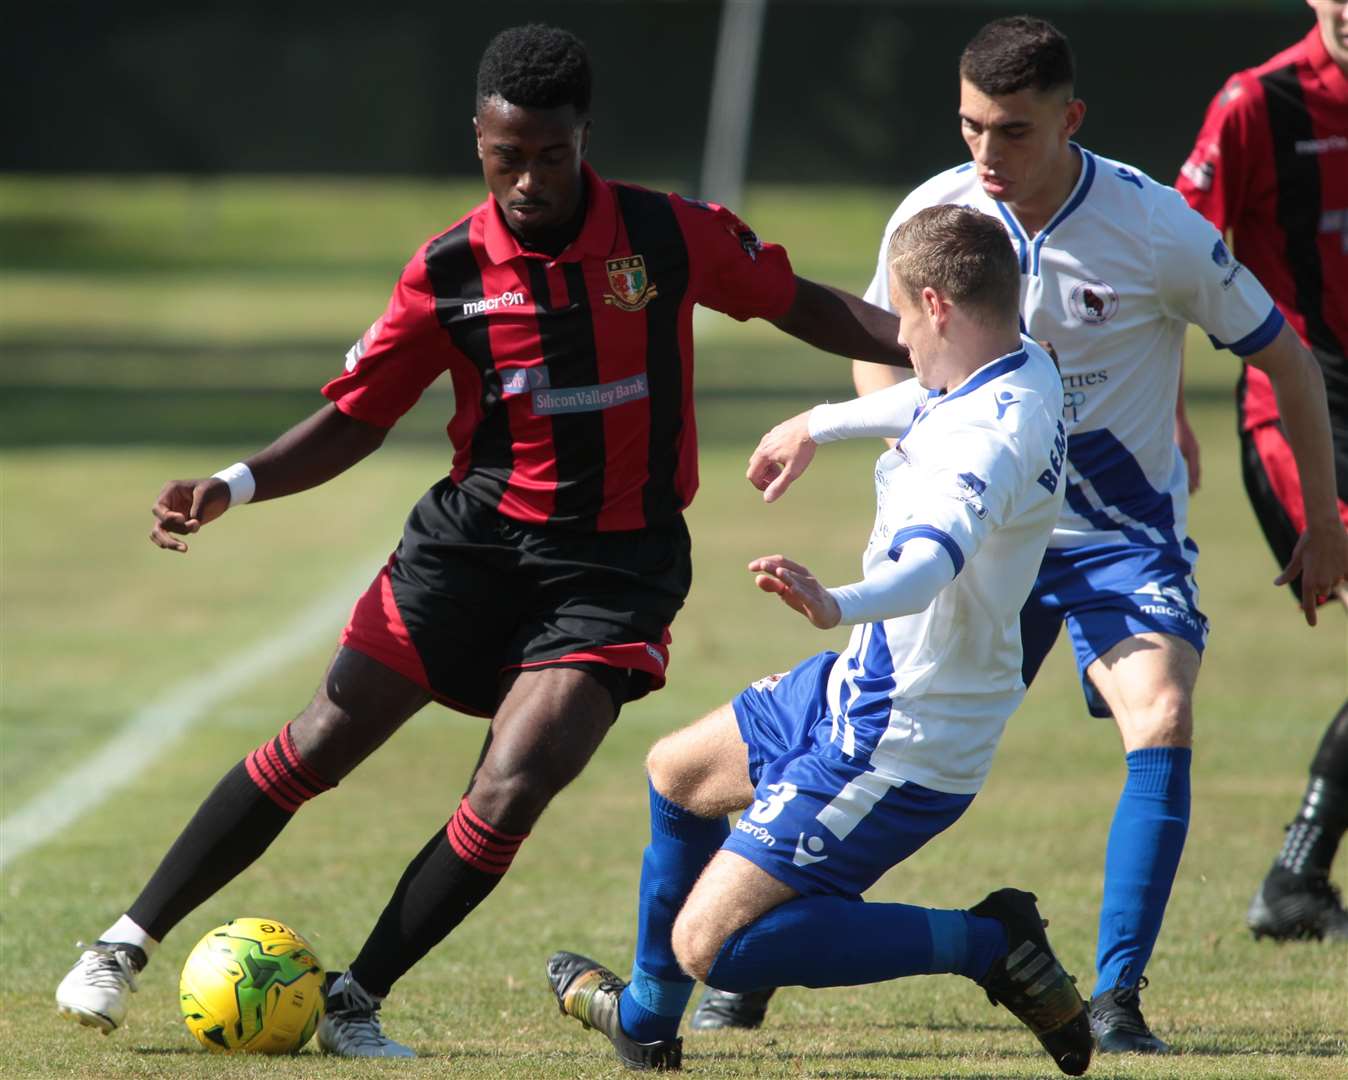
(536, 583)
(1271, 167)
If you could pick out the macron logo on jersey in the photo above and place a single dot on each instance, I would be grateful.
(493, 303)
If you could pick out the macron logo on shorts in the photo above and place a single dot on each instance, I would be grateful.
(762, 835)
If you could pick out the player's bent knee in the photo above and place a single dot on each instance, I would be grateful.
(696, 945)
(513, 799)
(1166, 721)
(670, 772)
(327, 738)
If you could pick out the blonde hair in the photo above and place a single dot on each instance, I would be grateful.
(964, 255)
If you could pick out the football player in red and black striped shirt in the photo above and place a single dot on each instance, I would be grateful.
(1271, 167)
(534, 584)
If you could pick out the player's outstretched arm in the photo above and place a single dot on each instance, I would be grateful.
(900, 587)
(781, 456)
(838, 322)
(787, 450)
(312, 452)
(799, 589)
(1321, 554)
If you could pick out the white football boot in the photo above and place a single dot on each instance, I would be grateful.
(350, 1024)
(96, 989)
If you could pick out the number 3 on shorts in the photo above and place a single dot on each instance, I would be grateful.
(768, 809)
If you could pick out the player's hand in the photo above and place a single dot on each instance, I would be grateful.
(1320, 558)
(782, 455)
(798, 588)
(1187, 442)
(184, 506)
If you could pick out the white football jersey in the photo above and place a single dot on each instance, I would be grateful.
(1112, 282)
(925, 696)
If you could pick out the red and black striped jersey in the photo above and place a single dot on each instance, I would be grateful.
(573, 374)
(1271, 166)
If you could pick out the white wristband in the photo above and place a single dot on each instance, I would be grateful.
(239, 477)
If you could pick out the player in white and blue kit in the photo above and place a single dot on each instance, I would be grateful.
(851, 762)
(1114, 267)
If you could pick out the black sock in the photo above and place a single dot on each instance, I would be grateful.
(1313, 837)
(249, 807)
(453, 873)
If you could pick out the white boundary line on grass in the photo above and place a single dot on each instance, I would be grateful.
(153, 729)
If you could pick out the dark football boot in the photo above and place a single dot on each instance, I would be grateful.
(589, 992)
(1031, 983)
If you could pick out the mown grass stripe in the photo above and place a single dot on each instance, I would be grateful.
(153, 729)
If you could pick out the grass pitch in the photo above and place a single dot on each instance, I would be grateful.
(166, 329)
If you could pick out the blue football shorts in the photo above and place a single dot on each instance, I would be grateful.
(822, 822)
(1105, 594)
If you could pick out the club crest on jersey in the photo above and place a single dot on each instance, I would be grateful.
(632, 289)
(1093, 301)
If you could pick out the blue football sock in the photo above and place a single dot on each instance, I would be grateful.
(833, 941)
(1145, 843)
(681, 845)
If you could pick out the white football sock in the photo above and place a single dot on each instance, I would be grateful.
(126, 932)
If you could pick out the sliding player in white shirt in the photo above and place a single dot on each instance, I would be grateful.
(1114, 267)
(852, 762)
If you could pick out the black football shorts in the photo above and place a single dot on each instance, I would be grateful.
(471, 595)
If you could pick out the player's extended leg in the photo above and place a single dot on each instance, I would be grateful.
(1297, 899)
(359, 705)
(697, 776)
(1148, 682)
(549, 723)
(742, 929)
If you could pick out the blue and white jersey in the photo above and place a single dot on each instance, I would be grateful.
(1112, 281)
(978, 469)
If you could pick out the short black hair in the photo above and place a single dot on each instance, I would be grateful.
(536, 66)
(1016, 53)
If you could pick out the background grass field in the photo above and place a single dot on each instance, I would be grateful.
(167, 328)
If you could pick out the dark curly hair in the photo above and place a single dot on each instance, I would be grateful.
(1017, 52)
(536, 66)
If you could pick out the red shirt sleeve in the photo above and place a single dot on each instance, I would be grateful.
(731, 270)
(397, 357)
(1216, 176)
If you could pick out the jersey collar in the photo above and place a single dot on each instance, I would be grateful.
(1328, 72)
(1027, 250)
(989, 371)
(596, 235)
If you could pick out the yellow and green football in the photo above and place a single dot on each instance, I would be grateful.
(252, 986)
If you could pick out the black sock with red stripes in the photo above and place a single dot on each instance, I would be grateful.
(249, 807)
(452, 874)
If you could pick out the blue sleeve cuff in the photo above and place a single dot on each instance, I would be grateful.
(929, 532)
(1256, 339)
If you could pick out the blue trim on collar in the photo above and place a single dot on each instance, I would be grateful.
(1258, 338)
(1017, 232)
(987, 373)
(1078, 197)
(928, 532)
